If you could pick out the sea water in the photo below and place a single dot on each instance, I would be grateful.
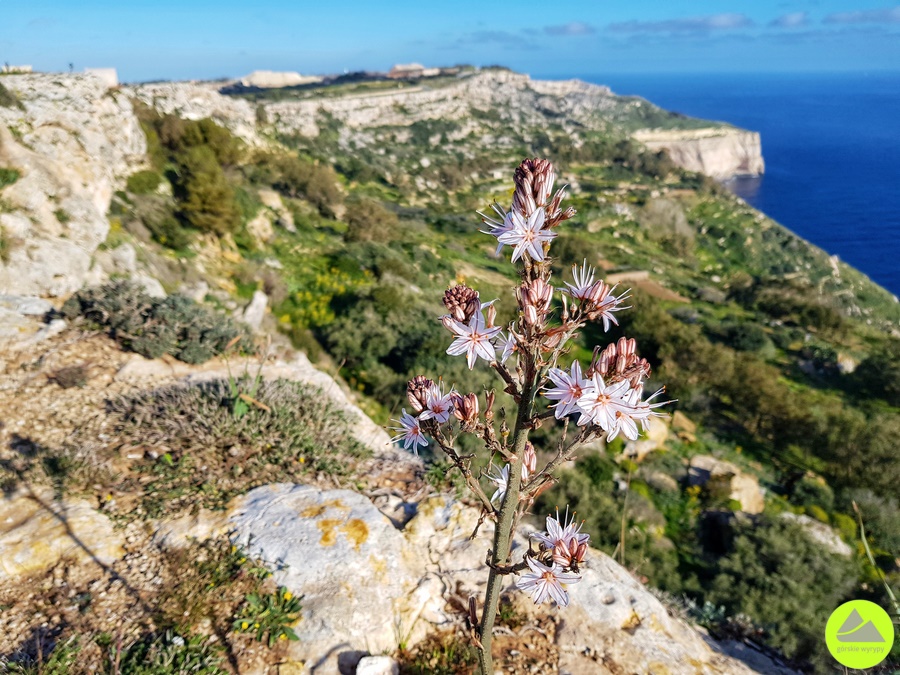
(831, 143)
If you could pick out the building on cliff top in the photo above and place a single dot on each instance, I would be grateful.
(407, 71)
(110, 76)
(271, 79)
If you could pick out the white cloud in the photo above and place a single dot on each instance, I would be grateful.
(886, 15)
(573, 28)
(792, 20)
(694, 24)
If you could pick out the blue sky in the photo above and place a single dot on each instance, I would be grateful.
(182, 39)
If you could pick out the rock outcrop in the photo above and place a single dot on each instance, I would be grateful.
(727, 480)
(73, 144)
(721, 152)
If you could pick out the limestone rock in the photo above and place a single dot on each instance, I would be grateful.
(272, 201)
(74, 144)
(346, 560)
(683, 425)
(377, 665)
(653, 439)
(615, 625)
(26, 305)
(255, 312)
(37, 531)
(820, 533)
(260, 228)
(727, 477)
(722, 152)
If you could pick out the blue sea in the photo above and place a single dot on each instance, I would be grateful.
(831, 144)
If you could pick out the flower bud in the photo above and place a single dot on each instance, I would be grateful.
(529, 461)
(417, 392)
(465, 408)
(489, 405)
(491, 314)
(535, 297)
(462, 302)
(619, 361)
(534, 180)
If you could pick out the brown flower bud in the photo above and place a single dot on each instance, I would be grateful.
(490, 315)
(417, 392)
(465, 408)
(529, 461)
(534, 180)
(619, 361)
(489, 405)
(535, 297)
(462, 302)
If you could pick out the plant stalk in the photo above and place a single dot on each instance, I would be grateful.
(503, 530)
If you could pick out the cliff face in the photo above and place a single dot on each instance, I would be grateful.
(721, 153)
(73, 145)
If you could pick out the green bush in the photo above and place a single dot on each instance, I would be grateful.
(206, 198)
(8, 99)
(879, 373)
(746, 337)
(152, 327)
(143, 182)
(368, 220)
(786, 583)
(812, 491)
(8, 177)
(207, 454)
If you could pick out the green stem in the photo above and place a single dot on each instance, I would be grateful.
(503, 531)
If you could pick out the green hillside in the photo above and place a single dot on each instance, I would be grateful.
(786, 361)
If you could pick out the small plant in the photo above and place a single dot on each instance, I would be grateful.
(8, 177)
(441, 654)
(175, 325)
(269, 616)
(72, 376)
(8, 99)
(143, 182)
(167, 654)
(60, 661)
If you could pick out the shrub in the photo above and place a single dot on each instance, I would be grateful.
(784, 582)
(152, 327)
(746, 337)
(206, 454)
(368, 220)
(8, 177)
(62, 216)
(812, 491)
(143, 182)
(206, 199)
(879, 374)
(9, 99)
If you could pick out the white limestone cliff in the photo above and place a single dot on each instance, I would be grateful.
(721, 153)
(74, 141)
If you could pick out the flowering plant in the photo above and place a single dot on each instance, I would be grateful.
(606, 399)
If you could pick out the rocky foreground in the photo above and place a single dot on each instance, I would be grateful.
(377, 569)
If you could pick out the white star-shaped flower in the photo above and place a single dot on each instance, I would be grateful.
(410, 432)
(473, 340)
(545, 583)
(438, 405)
(527, 235)
(569, 389)
(598, 403)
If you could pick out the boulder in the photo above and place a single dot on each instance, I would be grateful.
(651, 440)
(255, 312)
(616, 625)
(820, 533)
(346, 560)
(377, 665)
(37, 530)
(705, 470)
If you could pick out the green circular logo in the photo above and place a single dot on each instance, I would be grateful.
(859, 634)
